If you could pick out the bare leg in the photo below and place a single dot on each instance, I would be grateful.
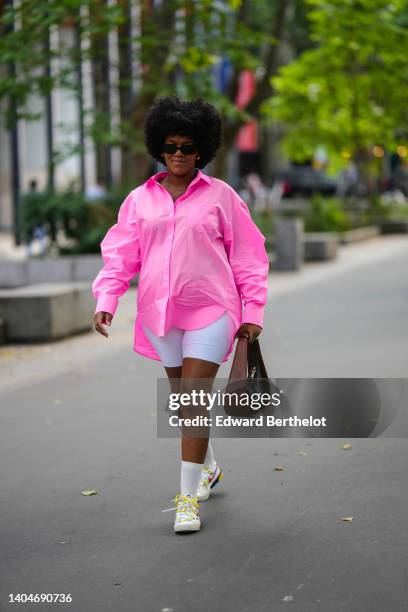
(194, 449)
(174, 375)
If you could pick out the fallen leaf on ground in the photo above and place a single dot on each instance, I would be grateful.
(279, 468)
(346, 446)
(347, 519)
(303, 453)
(91, 492)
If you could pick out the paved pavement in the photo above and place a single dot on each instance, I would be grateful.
(8, 250)
(80, 414)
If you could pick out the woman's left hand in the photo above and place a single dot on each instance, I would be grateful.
(249, 329)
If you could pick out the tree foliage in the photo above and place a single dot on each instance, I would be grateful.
(180, 46)
(349, 92)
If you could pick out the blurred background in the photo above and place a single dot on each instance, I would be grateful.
(312, 95)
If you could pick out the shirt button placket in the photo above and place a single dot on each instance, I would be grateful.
(167, 258)
(166, 278)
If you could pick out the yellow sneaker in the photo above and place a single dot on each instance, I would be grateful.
(187, 518)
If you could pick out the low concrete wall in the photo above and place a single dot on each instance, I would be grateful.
(46, 311)
(288, 244)
(85, 267)
(320, 246)
(13, 273)
(360, 233)
(75, 268)
(397, 226)
(49, 270)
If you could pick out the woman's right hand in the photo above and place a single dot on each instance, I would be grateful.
(100, 319)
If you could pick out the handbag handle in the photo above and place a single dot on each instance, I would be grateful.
(255, 357)
(239, 368)
(246, 356)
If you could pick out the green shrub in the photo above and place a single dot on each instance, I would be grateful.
(83, 223)
(326, 215)
(397, 211)
(381, 210)
(38, 209)
(376, 211)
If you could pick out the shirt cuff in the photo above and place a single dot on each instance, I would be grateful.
(107, 303)
(253, 313)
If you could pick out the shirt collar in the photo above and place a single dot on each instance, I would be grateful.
(199, 176)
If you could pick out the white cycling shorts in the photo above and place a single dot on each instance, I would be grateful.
(210, 343)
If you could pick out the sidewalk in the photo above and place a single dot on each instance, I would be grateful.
(349, 258)
(25, 364)
(8, 250)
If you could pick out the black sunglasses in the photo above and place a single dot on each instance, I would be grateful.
(186, 149)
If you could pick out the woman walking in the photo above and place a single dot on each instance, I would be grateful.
(203, 272)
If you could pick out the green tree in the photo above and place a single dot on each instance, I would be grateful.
(349, 92)
(43, 62)
(177, 45)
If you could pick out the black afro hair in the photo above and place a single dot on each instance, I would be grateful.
(197, 119)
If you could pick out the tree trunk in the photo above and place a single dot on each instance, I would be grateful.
(229, 132)
(157, 32)
(101, 90)
(125, 91)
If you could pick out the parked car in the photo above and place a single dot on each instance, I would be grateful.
(304, 181)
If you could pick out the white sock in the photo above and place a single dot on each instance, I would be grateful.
(209, 461)
(190, 477)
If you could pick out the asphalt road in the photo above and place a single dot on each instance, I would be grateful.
(271, 540)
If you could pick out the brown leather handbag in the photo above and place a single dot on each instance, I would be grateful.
(248, 375)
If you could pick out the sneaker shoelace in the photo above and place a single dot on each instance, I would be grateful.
(187, 506)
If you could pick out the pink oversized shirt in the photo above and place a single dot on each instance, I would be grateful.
(198, 256)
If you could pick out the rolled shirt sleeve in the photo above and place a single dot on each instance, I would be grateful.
(120, 251)
(245, 248)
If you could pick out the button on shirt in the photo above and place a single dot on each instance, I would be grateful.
(197, 257)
